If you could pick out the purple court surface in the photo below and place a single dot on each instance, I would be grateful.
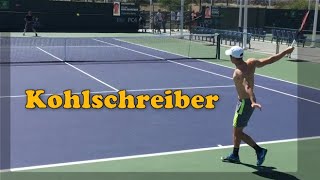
(40, 137)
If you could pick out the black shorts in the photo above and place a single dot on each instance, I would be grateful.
(243, 113)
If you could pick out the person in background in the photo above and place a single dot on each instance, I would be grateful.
(164, 22)
(178, 20)
(172, 20)
(29, 19)
(116, 9)
(193, 19)
(142, 21)
(158, 21)
(198, 14)
(193, 15)
(208, 12)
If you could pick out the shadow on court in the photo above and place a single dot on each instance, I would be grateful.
(270, 172)
(297, 60)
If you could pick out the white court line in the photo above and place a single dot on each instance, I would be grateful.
(217, 74)
(21, 96)
(151, 155)
(278, 79)
(105, 42)
(252, 50)
(157, 57)
(280, 92)
(88, 46)
(79, 70)
(182, 88)
(132, 90)
(25, 47)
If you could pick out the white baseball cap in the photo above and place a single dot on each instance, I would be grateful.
(235, 51)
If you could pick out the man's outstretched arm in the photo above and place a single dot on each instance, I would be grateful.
(262, 62)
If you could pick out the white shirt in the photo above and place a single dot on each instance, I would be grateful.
(178, 16)
(159, 16)
(173, 16)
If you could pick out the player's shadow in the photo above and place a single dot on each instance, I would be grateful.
(270, 172)
(297, 60)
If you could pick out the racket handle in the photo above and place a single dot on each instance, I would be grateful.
(293, 43)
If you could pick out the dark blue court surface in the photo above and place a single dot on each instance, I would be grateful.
(40, 137)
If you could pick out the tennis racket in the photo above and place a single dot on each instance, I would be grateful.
(303, 24)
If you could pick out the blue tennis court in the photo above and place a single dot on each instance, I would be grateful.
(42, 137)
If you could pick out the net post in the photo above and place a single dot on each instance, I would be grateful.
(65, 49)
(182, 17)
(315, 24)
(153, 22)
(151, 16)
(189, 47)
(218, 47)
(240, 13)
(170, 22)
(245, 24)
(277, 45)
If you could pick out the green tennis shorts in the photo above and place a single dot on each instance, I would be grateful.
(243, 113)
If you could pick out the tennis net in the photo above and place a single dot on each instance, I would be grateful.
(134, 49)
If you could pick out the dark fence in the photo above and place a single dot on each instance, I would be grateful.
(60, 16)
(260, 18)
(70, 16)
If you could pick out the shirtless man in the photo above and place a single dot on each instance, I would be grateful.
(243, 77)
